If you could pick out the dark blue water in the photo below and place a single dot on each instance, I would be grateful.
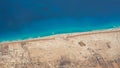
(23, 19)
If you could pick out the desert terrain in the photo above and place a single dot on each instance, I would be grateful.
(95, 49)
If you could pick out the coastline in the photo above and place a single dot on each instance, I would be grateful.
(73, 34)
(93, 49)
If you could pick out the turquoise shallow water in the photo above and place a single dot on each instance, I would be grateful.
(23, 19)
(56, 26)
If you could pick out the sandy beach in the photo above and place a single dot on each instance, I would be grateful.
(95, 49)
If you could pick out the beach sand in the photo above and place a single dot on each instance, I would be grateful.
(95, 49)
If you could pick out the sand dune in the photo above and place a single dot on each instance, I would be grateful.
(97, 49)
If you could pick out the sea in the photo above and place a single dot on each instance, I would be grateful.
(25, 19)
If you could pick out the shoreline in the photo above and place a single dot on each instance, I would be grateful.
(68, 35)
(96, 49)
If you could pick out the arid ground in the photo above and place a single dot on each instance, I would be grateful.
(97, 49)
